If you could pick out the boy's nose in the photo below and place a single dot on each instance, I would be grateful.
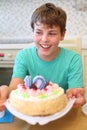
(45, 38)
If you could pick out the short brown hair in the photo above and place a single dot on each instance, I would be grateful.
(51, 15)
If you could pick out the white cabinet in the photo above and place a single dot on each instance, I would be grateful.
(84, 58)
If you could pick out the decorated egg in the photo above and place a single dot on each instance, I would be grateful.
(39, 81)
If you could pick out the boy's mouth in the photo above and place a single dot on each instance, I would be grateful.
(45, 46)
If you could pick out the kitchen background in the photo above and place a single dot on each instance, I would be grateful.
(15, 17)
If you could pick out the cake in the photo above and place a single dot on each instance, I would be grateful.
(38, 97)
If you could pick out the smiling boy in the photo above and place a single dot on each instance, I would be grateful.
(46, 58)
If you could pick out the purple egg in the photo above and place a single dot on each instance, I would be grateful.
(39, 81)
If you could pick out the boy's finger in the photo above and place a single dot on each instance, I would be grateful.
(3, 92)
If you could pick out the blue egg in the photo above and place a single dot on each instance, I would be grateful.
(27, 81)
(39, 81)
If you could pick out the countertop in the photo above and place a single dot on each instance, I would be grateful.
(74, 120)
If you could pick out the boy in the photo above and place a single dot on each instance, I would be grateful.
(57, 64)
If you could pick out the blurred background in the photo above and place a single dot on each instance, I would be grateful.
(15, 17)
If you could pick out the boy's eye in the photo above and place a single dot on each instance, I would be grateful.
(52, 33)
(39, 32)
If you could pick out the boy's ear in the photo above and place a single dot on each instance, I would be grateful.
(63, 35)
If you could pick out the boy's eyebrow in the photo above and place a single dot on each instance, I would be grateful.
(38, 29)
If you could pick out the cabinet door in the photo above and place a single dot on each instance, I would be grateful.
(84, 58)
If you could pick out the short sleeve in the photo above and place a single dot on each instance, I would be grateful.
(20, 66)
(75, 75)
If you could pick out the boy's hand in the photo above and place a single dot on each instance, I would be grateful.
(78, 93)
(4, 92)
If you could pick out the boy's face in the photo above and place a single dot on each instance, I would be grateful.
(47, 40)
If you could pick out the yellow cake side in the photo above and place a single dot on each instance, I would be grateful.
(39, 107)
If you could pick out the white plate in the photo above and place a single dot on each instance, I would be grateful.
(43, 119)
(84, 108)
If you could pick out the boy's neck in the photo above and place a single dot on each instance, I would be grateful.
(49, 57)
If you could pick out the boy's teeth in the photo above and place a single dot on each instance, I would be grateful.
(45, 46)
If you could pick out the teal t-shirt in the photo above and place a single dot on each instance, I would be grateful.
(66, 69)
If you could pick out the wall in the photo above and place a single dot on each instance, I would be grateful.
(15, 17)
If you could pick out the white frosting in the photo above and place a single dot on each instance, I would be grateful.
(27, 94)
